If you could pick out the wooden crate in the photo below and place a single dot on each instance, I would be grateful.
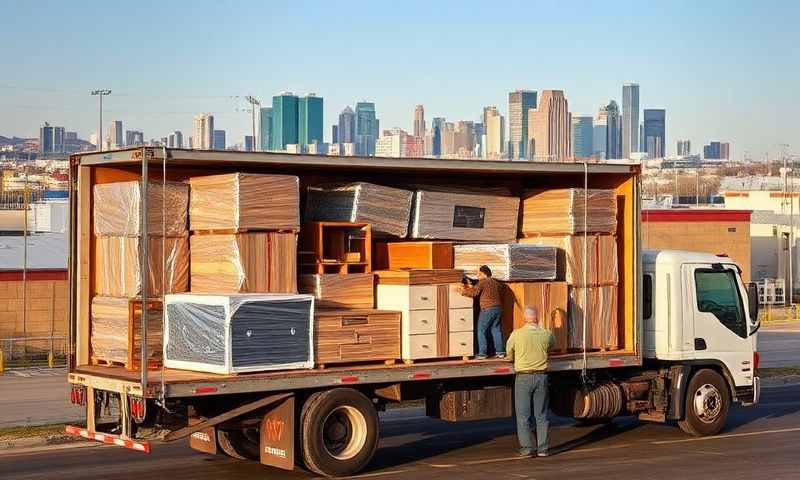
(549, 298)
(468, 405)
(357, 335)
(336, 247)
(414, 255)
(353, 290)
(116, 332)
(254, 262)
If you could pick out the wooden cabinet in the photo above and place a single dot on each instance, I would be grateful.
(356, 336)
(336, 247)
(416, 255)
(437, 322)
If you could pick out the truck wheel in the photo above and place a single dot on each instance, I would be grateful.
(338, 432)
(707, 404)
(239, 444)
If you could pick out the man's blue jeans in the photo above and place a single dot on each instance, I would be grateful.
(531, 390)
(489, 321)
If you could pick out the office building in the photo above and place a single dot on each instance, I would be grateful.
(607, 143)
(114, 135)
(630, 119)
(390, 144)
(655, 138)
(437, 129)
(520, 102)
(684, 148)
(582, 136)
(284, 121)
(51, 139)
(264, 129)
(419, 121)
(334, 133)
(725, 151)
(494, 144)
(712, 151)
(249, 142)
(203, 132)
(599, 134)
(309, 114)
(550, 128)
(367, 128)
(219, 140)
(134, 137)
(346, 131)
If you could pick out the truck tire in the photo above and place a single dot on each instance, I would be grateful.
(707, 404)
(238, 444)
(338, 432)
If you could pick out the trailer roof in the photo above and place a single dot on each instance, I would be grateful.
(176, 156)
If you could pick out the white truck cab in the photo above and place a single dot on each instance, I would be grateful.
(698, 313)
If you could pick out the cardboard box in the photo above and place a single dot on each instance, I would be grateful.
(117, 209)
(117, 267)
(599, 307)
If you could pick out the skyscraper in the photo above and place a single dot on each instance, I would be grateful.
(346, 133)
(219, 140)
(419, 121)
(608, 135)
(309, 113)
(203, 131)
(599, 135)
(334, 133)
(550, 128)
(115, 139)
(248, 143)
(725, 151)
(367, 127)
(582, 136)
(655, 136)
(519, 104)
(265, 128)
(284, 120)
(630, 119)
(51, 139)
(134, 137)
(495, 134)
(684, 148)
(175, 140)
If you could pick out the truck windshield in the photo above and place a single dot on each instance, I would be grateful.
(717, 294)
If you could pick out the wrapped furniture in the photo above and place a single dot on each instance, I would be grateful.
(387, 209)
(117, 209)
(354, 290)
(238, 202)
(357, 335)
(510, 262)
(437, 321)
(257, 262)
(549, 299)
(600, 310)
(117, 268)
(462, 216)
(238, 333)
(562, 211)
(601, 264)
(116, 334)
(416, 255)
(419, 277)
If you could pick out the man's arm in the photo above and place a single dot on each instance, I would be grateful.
(510, 347)
(470, 291)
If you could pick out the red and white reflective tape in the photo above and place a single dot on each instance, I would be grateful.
(108, 439)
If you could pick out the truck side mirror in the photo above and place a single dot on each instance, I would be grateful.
(752, 301)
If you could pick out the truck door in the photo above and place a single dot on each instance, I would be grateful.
(721, 327)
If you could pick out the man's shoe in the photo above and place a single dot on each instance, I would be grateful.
(524, 453)
(500, 356)
(542, 454)
(480, 357)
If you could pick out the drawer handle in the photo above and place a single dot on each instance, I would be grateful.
(424, 321)
(424, 298)
(425, 346)
(463, 344)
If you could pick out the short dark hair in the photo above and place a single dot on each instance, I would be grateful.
(486, 270)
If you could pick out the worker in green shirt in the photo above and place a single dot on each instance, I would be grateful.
(527, 347)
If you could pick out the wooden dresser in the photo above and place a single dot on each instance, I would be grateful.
(349, 335)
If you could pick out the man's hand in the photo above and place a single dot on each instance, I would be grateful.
(461, 288)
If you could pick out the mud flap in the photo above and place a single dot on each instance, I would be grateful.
(204, 440)
(277, 436)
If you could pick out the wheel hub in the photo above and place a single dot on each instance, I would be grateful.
(707, 403)
(344, 432)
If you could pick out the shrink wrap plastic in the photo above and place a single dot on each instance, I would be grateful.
(117, 209)
(602, 264)
(118, 270)
(512, 261)
(244, 262)
(110, 330)
(561, 211)
(602, 329)
(239, 333)
(387, 209)
(353, 290)
(243, 201)
(461, 216)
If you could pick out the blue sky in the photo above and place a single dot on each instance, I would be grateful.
(722, 70)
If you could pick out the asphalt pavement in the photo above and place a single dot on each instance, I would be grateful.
(759, 442)
(779, 345)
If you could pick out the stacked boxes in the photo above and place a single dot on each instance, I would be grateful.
(117, 307)
(508, 262)
(549, 299)
(244, 233)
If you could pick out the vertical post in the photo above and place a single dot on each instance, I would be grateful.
(144, 268)
(791, 237)
(25, 265)
(100, 126)
(254, 128)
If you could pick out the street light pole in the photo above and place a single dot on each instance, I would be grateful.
(100, 93)
(253, 104)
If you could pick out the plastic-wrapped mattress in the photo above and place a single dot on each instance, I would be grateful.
(508, 261)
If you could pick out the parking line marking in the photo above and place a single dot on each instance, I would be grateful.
(730, 435)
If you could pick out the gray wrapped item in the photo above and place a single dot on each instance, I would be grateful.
(446, 215)
(238, 333)
(508, 262)
(387, 209)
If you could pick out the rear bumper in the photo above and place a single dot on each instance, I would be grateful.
(109, 439)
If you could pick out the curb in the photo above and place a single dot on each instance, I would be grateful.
(40, 445)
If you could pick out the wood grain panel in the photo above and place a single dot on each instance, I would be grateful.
(356, 335)
(442, 321)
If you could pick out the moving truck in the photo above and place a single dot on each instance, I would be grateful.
(688, 329)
